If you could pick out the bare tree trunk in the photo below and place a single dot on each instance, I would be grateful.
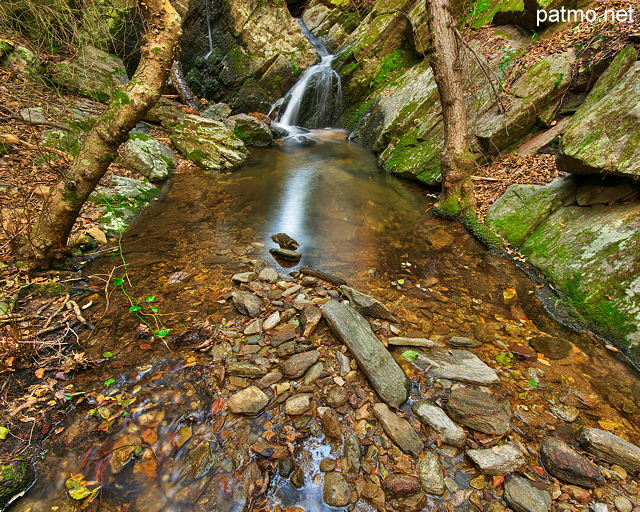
(47, 240)
(180, 84)
(456, 199)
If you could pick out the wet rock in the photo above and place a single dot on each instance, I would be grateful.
(352, 455)
(249, 401)
(399, 430)
(285, 241)
(366, 305)
(566, 413)
(297, 404)
(244, 277)
(285, 254)
(384, 373)
(217, 112)
(477, 410)
(309, 319)
(524, 353)
(286, 349)
(439, 239)
(251, 131)
(437, 419)
(254, 327)
(313, 373)
(16, 476)
(248, 370)
(297, 478)
(551, 347)
(123, 451)
(269, 275)
(611, 448)
(562, 462)
(220, 352)
(327, 465)
(335, 490)
(460, 341)
(431, 474)
(246, 303)
(485, 333)
(331, 424)
(399, 484)
(457, 365)
(297, 364)
(410, 342)
(271, 321)
(291, 290)
(622, 504)
(522, 496)
(207, 143)
(269, 379)
(336, 396)
(270, 450)
(498, 460)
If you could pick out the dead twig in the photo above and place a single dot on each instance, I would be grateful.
(7, 138)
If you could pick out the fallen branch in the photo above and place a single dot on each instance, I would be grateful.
(7, 138)
(485, 178)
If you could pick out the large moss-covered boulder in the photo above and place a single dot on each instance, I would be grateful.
(604, 134)
(16, 476)
(148, 157)
(93, 73)
(538, 87)
(521, 209)
(208, 143)
(246, 53)
(590, 253)
(20, 60)
(250, 130)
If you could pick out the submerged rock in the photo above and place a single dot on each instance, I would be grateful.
(335, 490)
(551, 347)
(431, 474)
(457, 365)
(367, 305)
(399, 430)
(611, 448)
(498, 460)
(437, 419)
(249, 401)
(384, 373)
(561, 461)
(477, 410)
(522, 496)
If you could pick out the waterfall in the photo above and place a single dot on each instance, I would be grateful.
(206, 3)
(315, 101)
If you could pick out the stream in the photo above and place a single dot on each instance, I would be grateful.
(151, 430)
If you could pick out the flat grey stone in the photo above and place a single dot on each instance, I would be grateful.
(246, 303)
(561, 461)
(522, 496)
(384, 373)
(437, 419)
(399, 430)
(477, 410)
(456, 365)
(611, 448)
(366, 305)
(430, 473)
(499, 460)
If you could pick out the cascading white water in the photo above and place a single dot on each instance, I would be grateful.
(315, 100)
